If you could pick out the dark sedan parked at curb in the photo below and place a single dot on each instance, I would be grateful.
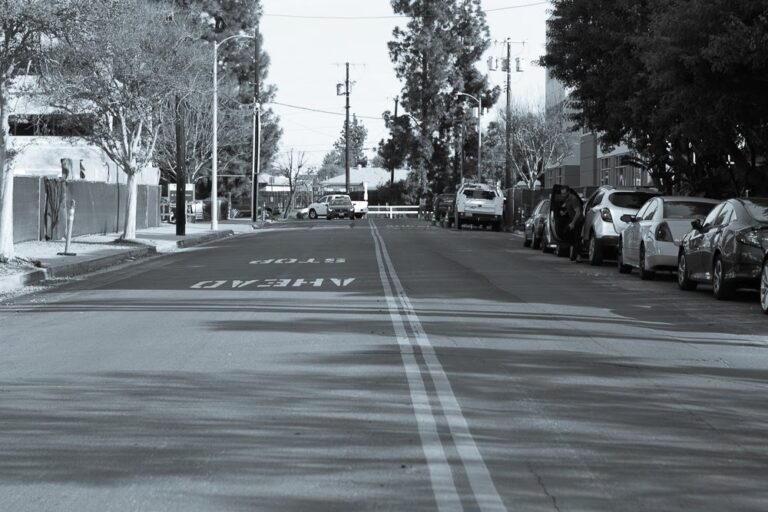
(341, 207)
(728, 249)
(534, 226)
(764, 284)
(444, 207)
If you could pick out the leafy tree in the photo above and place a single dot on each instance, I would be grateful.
(334, 161)
(120, 65)
(393, 152)
(330, 167)
(225, 18)
(435, 57)
(679, 81)
(22, 25)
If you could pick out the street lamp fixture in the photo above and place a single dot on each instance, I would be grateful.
(215, 166)
(479, 130)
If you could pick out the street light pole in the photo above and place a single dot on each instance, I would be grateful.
(479, 131)
(256, 161)
(215, 163)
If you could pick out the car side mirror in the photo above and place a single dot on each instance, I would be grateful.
(696, 224)
(628, 218)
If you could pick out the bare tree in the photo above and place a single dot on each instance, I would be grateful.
(291, 167)
(22, 24)
(120, 65)
(537, 141)
(234, 131)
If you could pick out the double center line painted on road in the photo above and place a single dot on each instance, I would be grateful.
(443, 485)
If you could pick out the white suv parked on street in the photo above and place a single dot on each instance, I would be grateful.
(480, 205)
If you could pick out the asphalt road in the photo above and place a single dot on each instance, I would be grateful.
(387, 365)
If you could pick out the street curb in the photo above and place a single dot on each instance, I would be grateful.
(88, 266)
(183, 244)
(16, 281)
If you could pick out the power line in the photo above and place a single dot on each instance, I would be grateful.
(388, 17)
(323, 111)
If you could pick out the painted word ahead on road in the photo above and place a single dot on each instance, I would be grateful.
(332, 282)
(293, 261)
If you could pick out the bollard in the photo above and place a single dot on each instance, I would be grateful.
(70, 223)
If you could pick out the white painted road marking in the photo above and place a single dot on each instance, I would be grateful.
(297, 261)
(443, 485)
(273, 283)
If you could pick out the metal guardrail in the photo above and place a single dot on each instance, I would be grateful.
(393, 211)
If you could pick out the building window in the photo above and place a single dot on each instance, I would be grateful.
(55, 125)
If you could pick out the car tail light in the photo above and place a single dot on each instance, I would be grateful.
(750, 237)
(663, 233)
(605, 214)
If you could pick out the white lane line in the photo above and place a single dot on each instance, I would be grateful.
(441, 478)
(479, 477)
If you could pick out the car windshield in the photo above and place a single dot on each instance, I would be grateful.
(632, 200)
(686, 209)
(757, 209)
(478, 193)
(341, 201)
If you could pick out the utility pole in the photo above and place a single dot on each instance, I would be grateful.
(392, 170)
(346, 129)
(256, 123)
(508, 218)
(181, 169)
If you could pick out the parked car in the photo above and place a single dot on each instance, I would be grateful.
(340, 207)
(548, 244)
(602, 218)
(727, 249)
(534, 226)
(444, 206)
(764, 284)
(320, 207)
(557, 234)
(479, 204)
(651, 240)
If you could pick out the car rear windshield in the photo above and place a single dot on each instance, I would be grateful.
(686, 209)
(758, 209)
(632, 200)
(479, 193)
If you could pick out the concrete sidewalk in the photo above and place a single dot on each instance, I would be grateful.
(39, 261)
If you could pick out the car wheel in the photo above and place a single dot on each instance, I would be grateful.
(562, 250)
(645, 274)
(764, 288)
(312, 214)
(722, 289)
(684, 281)
(526, 240)
(536, 243)
(595, 252)
(623, 269)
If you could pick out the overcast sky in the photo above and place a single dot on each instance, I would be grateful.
(308, 49)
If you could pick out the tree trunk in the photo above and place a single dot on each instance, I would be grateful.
(6, 189)
(129, 232)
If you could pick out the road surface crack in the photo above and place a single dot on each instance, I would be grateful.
(540, 480)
